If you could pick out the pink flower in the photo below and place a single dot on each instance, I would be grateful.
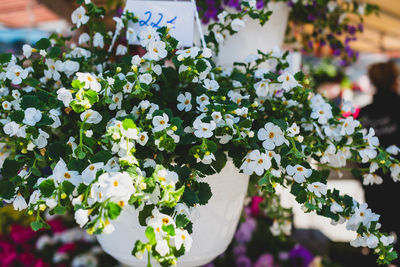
(8, 254)
(57, 225)
(41, 263)
(21, 235)
(27, 258)
(265, 260)
(67, 248)
(255, 205)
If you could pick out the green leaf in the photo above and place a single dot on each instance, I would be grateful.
(144, 214)
(29, 101)
(299, 76)
(10, 168)
(17, 116)
(151, 235)
(31, 82)
(113, 210)
(211, 146)
(43, 43)
(128, 123)
(201, 65)
(5, 58)
(281, 123)
(181, 221)
(190, 197)
(6, 189)
(55, 52)
(56, 150)
(101, 156)
(68, 187)
(37, 225)
(60, 210)
(92, 96)
(77, 84)
(204, 193)
(169, 229)
(46, 120)
(245, 124)
(220, 161)
(47, 187)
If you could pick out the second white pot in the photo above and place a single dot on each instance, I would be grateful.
(212, 231)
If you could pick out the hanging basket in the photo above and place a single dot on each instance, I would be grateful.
(213, 230)
(256, 37)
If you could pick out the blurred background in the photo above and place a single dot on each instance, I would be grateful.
(27, 21)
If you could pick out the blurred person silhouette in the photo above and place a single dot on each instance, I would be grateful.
(383, 114)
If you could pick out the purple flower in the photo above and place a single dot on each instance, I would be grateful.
(300, 256)
(311, 17)
(239, 251)
(265, 260)
(260, 4)
(245, 231)
(243, 261)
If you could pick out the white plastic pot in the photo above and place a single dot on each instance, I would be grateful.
(212, 231)
(256, 37)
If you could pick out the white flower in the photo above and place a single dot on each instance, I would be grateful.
(317, 188)
(272, 136)
(55, 115)
(34, 198)
(11, 128)
(259, 163)
(79, 17)
(131, 36)
(372, 178)
(70, 67)
(202, 100)
(32, 116)
(349, 125)
(322, 113)
(19, 202)
(117, 98)
(81, 217)
(387, 240)
(393, 149)
(41, 140)
(288, 81)
(162, 247)
(83, 38)
(335, 207)
(121, 50)
(262, 88)
(136, 60)
(316, 101)
(90, 81)
(148, 35)
(203, 129)
(98, 40)
(53, 69)
(167, 178)
(362, 215)
(160, 123)
(395, 172)
(190, 52)
(143, 138)
(237, 24)
(145, 78)
(298, 172)
(51, 203)
(211, 85)
(89, 133)
(61, 174)
(6, 105)
(89, 174)
(27, 50)
(207, 159)
(221, 17)
(91, 116)
(156, 50)
(184, 102)
(16, 74)
(118, 186)
(65, 96)
(108, 228)
(182, 237)
(293, 130)
(367, 154)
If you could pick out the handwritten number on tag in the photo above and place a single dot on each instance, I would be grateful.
(155, 25)
(144, 22)
(148, 15)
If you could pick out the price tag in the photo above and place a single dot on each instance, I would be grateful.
(160, 13)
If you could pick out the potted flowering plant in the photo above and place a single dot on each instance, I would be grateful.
(133, 145)
(312, 24)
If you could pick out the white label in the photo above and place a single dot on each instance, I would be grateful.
(160, 13)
